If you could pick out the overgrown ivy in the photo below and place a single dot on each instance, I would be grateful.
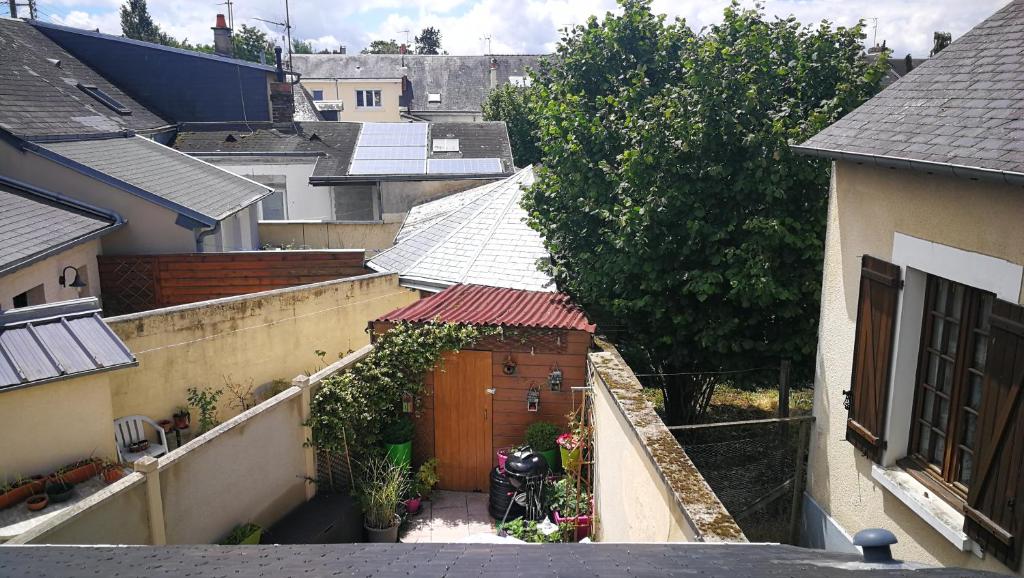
(352, 408)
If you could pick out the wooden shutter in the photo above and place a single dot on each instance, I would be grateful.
(872, 354)
(993, 518)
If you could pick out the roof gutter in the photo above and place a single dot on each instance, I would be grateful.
(930, 167)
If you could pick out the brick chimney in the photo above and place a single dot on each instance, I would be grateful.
(282, 98)
(222, 43)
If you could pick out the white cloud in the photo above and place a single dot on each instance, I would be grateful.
(514, 25)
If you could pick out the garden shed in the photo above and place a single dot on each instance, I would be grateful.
(482, 399)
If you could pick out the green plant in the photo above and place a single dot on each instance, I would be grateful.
(527, 531)
(398, 430)
(541, 435)
(667, 163)
(562, 497)
(382, 485)
(351, 409)
(426, 478)
(205, 401)
(240, 533)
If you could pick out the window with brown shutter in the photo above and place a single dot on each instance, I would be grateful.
(993, 517)
(868, 396)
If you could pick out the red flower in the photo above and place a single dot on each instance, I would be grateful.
(568, 441)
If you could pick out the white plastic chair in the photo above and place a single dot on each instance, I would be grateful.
(131, 429)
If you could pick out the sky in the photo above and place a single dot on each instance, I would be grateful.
(511, 26)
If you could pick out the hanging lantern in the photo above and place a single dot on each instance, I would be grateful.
(555, 379)
(407, 403)
(533, 398)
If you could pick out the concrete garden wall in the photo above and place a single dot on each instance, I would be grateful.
(373, 237)
(645, 487)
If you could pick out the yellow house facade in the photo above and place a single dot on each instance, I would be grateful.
(358, 100)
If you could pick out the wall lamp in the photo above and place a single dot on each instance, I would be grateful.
(63, 280)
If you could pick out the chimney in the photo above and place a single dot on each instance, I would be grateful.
(282, 99)
(342, 50)
(494, 73)
(222, 43)
(401, 50)
(909, 62)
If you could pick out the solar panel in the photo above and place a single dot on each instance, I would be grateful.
(463, 166)
(392, 153)
(393, 134)
(387, 167)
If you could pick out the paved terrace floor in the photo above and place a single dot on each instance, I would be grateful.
(451, 517)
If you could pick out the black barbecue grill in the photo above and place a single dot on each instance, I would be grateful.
(525, 474)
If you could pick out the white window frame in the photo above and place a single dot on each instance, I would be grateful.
(369, 94)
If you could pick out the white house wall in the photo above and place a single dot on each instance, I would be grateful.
(47, 272)
(303, 201)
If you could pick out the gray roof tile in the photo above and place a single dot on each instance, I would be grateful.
(180, 181)
(34, 224)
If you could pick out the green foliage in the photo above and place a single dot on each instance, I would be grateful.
(429, 41)
(382, 47)
(239, 533)
(672, 205)
(250, 42)
(526, 530)
(540, 436)
(381, 486)
(514, 105)
(426, 478)
(137, 23)
(398, 431)
(205, 401)
(562, 497)
(354, 406)
(301, 46)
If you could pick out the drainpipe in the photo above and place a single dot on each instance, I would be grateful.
(203, 234)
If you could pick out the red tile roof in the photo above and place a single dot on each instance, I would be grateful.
(480, 305)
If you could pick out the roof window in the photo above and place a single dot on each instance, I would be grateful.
(434, 98)
(446, 145)
(105, 99)
(520, 81)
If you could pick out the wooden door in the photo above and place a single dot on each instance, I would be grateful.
(462, 421)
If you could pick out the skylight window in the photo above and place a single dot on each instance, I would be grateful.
(446, 145)
(105, 99)
(434, 98)
(520, 81)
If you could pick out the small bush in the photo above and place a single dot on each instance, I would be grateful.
(540, 436)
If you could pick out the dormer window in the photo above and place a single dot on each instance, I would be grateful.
(105, 99)
(434, 98)
(446, 145)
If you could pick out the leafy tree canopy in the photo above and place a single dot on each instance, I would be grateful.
(250, 42)
(301, 47)
(429, 41)
(382, 47)
(671, 203)
(512, 104)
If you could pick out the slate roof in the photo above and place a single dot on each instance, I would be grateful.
(40, 99)
(336, 141)
(960, 112)
(35, 224)
(160, 174)
(495, 306)
(479, 236)
(305, 110)
(454, 559)
(462, 81)
(57, 341)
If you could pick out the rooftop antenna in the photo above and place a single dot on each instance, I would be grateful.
(874, 33)
(287, 25)
(487, 38)
(231, 13)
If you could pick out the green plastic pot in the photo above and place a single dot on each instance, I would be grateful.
(551, 457)
(570, 458)
(400, 454)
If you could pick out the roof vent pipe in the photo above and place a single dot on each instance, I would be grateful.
(876, 544)
(277, 60)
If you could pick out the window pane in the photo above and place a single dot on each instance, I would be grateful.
(980, 350)
(937, 326)
(970, 429)
(966, 468)
(928, 407)
(986, 312)
(947, 377)
(974, 395)
(924, 437)
(954, 336)
(958, 301)
(933, 370)
(938, 452)
(943, 414)
(942, 298)
(359, 98)
(273, 206)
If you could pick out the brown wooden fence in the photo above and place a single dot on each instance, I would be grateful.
(133, 283)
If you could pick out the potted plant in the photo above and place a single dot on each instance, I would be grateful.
(540, 436)
(571, 507)
(58, 489)
(167, 425)
(426, 478)
(504, 453)
(112, 472)
(80, 471)
(37, 502)
(205, 400)
(382, 484)
(19, 490)
(182, 418)
(397, 436)
(244, 534)
(570, 448)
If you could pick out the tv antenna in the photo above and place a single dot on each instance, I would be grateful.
(231, 13)
(874, 32)
(287, 25)
(487, 38)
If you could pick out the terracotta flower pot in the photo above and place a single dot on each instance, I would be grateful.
(81, 473)
(36, 503)
(112, 474)
(182, 421)
(167, 425)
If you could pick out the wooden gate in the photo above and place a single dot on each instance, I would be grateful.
(462, 421)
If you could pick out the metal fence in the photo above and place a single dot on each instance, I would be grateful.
(757, 468)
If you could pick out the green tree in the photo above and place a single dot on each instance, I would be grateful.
(382, 47)
(301, 47)
(669, 199)
(513, 105)
(136, 22)
(429, 41)
(250, 42)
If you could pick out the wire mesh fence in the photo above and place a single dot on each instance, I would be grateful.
(757, 468)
